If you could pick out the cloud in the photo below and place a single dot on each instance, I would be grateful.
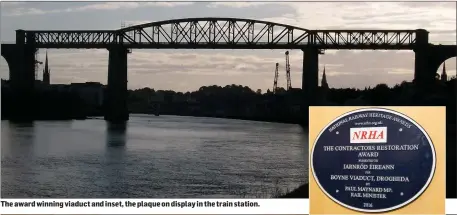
(11, 4)
(376, 15)
(439, 5)
(339, 73)
(396, 71)
(137, 22)
(107, 6)
(127, 5)
(25, 11)
(235, 4)
(168, 4)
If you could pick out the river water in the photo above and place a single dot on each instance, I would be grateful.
(152, 157)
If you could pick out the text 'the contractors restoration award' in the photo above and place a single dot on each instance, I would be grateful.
(377, 160)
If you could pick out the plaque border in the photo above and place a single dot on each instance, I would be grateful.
(412, 199)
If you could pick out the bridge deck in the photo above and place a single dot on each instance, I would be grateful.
(224, 33)
(224, 46)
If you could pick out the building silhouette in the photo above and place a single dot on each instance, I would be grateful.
(46, 72)
(90, 92)
(443, 74)
(324, 83)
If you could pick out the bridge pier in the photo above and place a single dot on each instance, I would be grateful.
(21, 63)
(424, 71)
(424, 75)
(428, 59)
(310, 79)
(116, 92)
(22, 79)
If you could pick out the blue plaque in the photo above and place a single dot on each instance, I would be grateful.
(373, 160)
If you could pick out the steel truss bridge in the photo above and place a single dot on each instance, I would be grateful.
(214, 33)
(223, 33)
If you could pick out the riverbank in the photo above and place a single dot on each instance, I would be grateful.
(257, 119)
(285, 119)
(300, 192)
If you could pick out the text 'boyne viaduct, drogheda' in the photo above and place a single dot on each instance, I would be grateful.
(214, 33)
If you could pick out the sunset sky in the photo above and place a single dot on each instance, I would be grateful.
(185, 70)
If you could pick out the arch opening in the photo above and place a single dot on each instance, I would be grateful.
(4, 69)
(449, 67)
(361, 69)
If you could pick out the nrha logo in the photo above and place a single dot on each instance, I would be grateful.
(369, 135)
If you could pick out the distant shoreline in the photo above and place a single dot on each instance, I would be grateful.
(256, 119)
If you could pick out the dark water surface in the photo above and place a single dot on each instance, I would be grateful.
(151, 157)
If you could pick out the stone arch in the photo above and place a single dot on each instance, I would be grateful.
(4, 65)
(441, 53)
(450, 64)
(7, 54)
(21, 63)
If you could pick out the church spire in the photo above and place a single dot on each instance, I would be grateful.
(443, 74)
(46, 67)
(46, 71)
(324, 83)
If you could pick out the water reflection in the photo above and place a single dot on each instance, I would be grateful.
(115, 168)
(18, 136)
(304, 139)
(18, 140)
(116, 134)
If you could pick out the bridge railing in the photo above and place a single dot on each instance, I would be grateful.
(323, 39)
(72, 37)
(358, 37)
